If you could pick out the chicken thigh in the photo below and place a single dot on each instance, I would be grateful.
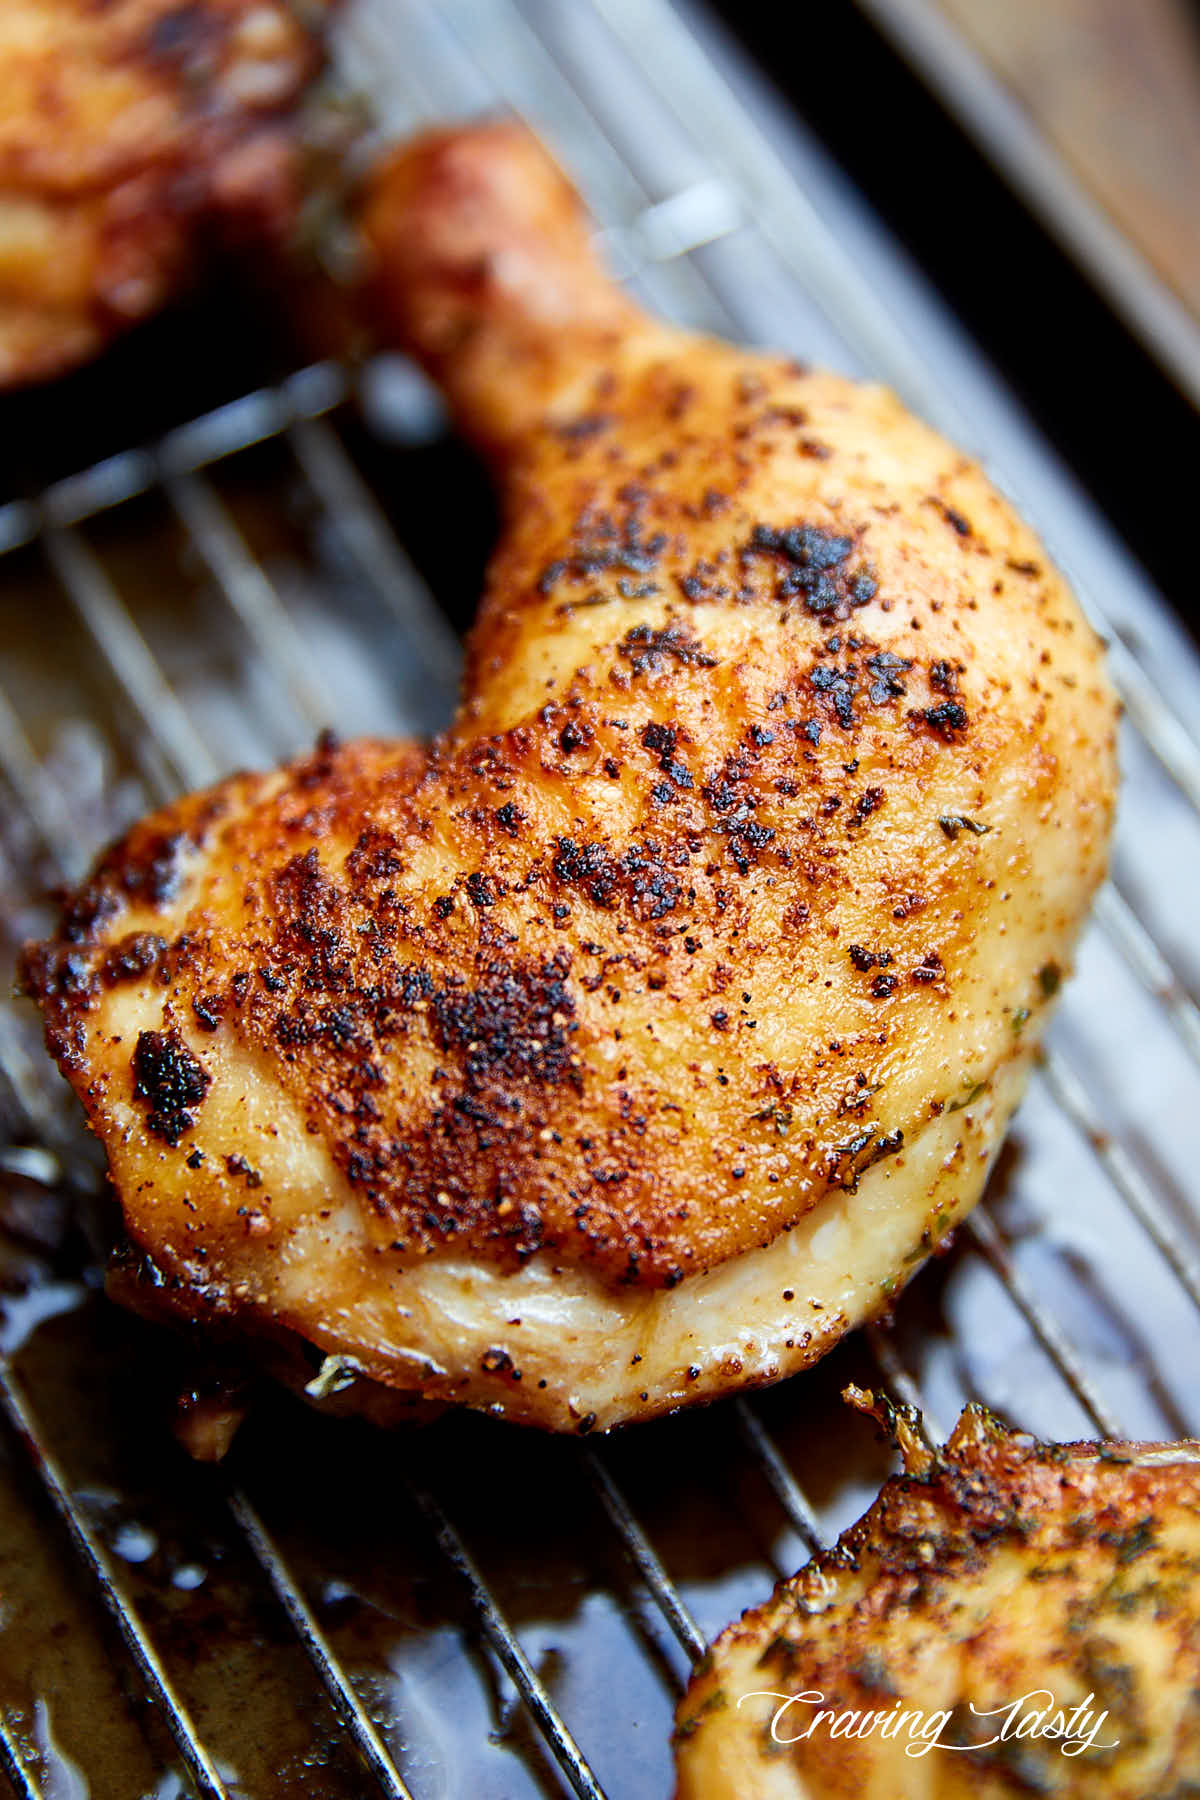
(648, 1030)
(1009, 1618)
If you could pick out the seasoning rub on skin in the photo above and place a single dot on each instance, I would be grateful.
(1009, 1618)
(645, 1033)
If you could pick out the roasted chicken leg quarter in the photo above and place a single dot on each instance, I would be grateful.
(648, 1030)
(1008, 1619)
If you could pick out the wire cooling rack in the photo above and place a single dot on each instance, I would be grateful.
(470, 1608)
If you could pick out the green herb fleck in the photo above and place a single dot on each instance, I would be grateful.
(953, 823)
(690, 1726)
(979, 1088)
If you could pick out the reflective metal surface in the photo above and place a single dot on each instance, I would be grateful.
(469, 1609)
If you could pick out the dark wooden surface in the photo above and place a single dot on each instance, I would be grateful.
(1114, 85)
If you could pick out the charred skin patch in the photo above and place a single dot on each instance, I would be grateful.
(837, 688)
(959, 524)
(134, 956)
(464, 1166)
(648, 648)
(169, 1081)
(641, 879)
(350, 994)
(887, 669)
(947, 721)
(814, 569)
(68, 974)
(662, 741)
(515, 1023)
(607, 542)
(145, 869)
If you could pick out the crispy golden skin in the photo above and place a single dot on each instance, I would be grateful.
(1042, 1585)
(650, 1029)
(131, 132)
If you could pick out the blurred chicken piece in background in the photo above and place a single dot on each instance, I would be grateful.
(135, 138)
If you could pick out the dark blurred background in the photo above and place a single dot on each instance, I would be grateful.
(1114, 87)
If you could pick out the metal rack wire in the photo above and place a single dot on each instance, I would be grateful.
(688, 187)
